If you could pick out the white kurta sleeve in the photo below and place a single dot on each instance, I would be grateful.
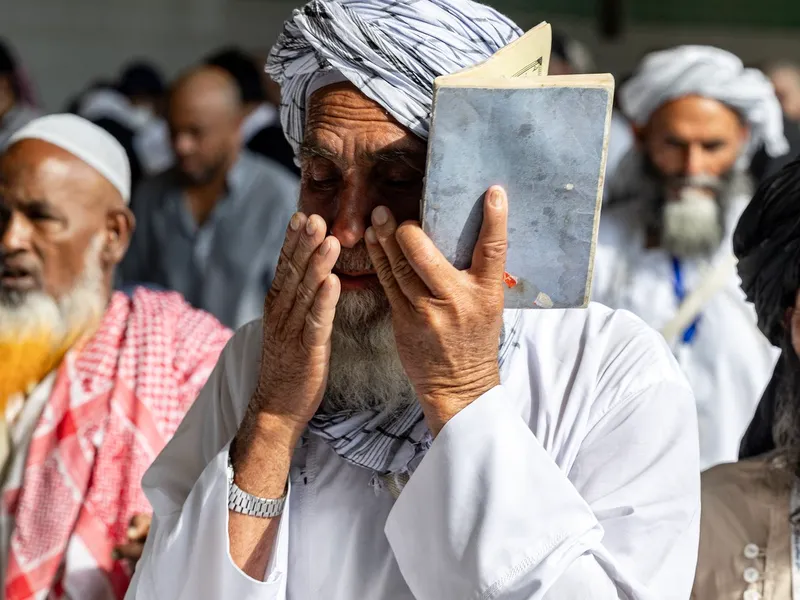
(490, 515)
(187, 553)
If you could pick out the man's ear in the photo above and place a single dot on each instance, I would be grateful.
(120, 224)
(744, 133)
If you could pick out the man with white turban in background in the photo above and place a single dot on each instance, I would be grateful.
(386, 431)
(92, 383)
(664, 251)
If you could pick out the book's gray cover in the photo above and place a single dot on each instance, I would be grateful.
(545, 145)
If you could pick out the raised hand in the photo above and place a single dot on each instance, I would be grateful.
(298, 319)
(447, 322)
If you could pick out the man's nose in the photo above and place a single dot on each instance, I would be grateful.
(695, 160)
(352, 216)
(183, 144)
(15, 233)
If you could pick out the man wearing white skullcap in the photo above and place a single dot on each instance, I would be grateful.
(92, 383)
(386, 430)
(665, 251)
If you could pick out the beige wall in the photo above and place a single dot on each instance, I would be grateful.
(65, 43)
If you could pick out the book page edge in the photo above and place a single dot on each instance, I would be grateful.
(599, 202)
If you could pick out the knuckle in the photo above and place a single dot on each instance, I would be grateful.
(494, 250)
(293, 268)
(284, 257)
(384, 271)
(313, 320)
(403, 270)
(304, 293)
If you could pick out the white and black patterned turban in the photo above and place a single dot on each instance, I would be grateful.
(390, 50)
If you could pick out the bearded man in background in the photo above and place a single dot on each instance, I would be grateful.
(664, 251)
(749, 515)
(92, 383)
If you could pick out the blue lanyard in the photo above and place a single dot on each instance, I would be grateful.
(680, 293)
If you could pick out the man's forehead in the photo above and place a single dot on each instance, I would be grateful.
(696, 111)
(38, 168)
(341, 117)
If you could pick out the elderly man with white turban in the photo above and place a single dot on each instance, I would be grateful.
(386, 431)
(665, 249)
(92, 383)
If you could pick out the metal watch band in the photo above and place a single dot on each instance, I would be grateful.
(243, 503)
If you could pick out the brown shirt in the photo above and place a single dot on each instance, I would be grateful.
(745, 539)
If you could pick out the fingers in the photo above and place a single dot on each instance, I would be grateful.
(139, 528)
(319, 268)
(428, 263)
(383, 269)
(489, 256)
(384, 227)
(296, 224)
(309, 239)
(319, 320)
(131, 551)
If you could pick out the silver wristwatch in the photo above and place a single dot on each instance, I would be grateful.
(243, 503)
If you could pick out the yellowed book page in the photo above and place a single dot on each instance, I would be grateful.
(528, 56)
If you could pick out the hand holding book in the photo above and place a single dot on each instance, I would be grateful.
(451, 317)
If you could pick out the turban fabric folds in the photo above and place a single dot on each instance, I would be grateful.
(390, 50)
(712, 73)
(767, 244)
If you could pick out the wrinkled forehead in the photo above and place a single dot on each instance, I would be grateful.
(343, 122)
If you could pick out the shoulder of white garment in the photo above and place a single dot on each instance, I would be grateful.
(613, 352)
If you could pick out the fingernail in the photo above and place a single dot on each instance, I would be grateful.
(132, 533)
(497, 198)
(380, 215)
(311, 227)
(370, 236)
(325, 247)
(295, 222)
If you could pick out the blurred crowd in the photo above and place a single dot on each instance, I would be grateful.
(172, 198)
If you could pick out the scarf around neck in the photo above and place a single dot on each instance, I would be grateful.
(391, 444)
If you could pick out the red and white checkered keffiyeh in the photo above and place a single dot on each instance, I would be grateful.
(113, 407)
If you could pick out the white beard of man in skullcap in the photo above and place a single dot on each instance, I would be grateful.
(37, 329)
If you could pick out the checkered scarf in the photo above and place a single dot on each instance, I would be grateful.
(114, 405)
(391, 50)
(392, 444)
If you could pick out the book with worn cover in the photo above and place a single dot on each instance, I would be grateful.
(544, 139)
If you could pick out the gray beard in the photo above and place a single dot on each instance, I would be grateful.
(689, 226)
(365, 368)
(31, 313)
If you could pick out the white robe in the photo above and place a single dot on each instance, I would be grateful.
(729, 362)
(577, 478)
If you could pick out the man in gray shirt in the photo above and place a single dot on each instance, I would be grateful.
(14, 112)
(212, 227)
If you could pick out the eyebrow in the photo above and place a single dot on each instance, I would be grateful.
(408, 155)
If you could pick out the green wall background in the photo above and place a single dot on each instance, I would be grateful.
(724, 13)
